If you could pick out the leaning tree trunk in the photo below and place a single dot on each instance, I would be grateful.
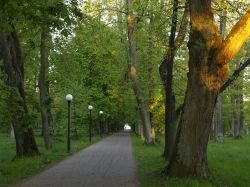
(133, 74)
(208, 58)
(10, 52)
(43, 93)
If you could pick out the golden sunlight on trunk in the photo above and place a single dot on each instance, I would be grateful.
(234, 40)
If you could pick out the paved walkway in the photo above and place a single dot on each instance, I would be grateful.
(108, 163)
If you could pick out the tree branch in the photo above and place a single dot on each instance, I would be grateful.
(183, 27)
(235, 39)
(235, 75)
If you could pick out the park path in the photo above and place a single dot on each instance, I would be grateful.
(108, 163)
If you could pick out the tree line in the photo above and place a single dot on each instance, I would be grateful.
(173, 66)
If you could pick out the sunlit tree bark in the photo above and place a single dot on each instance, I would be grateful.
(208, 58)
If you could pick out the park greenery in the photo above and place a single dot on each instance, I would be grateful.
(229, 162)
(175, 70)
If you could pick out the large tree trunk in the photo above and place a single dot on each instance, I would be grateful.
(43, 92)
(10, 52)
(133, 74)
(208, 58)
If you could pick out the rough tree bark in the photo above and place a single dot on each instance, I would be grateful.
(166, 73)
(133, 74)
(43, 92)
(208, 58)
(10, 52)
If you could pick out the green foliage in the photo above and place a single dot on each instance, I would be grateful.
(92, 67)
(88, 57)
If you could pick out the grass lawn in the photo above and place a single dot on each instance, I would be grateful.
(14, 171)
(229, 163)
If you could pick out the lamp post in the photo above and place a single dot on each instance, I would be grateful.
(101, 125)
(69, 98)
(90, 107)
(75, 131)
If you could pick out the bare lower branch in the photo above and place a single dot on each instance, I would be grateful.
(235, 75)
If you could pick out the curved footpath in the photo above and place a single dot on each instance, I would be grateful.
(108, 163)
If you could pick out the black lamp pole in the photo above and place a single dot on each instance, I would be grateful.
(68, 142)
(101, 125)
(90, 124)
(100, 116)
(69, 98)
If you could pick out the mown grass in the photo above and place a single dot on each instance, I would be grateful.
(12, 171)
(229, 163)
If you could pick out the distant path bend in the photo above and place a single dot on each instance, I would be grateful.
(108, 163)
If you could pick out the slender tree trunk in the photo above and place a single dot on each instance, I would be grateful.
(150, 76)
(218, 120)
(133, 74)
(43, 92)
(166, 73)
(236, 117)
(232, 99)
(218, 113)
(240, 107)
(238, 110)
(10, 52)
(241, 112)
(237, 105)
(12, 133)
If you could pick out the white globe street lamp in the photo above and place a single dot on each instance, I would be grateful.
(100, 122)
(90, 107)
(69, 98)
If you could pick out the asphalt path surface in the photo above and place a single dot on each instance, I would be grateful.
(108, 163)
